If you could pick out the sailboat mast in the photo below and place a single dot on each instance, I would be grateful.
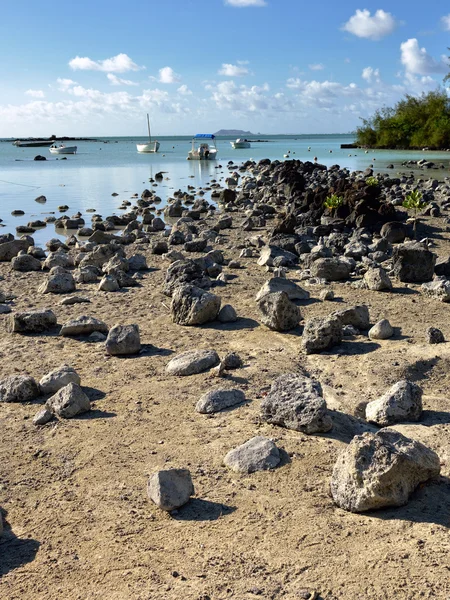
(148, 125)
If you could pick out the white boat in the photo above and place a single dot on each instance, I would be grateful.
(240, 143)
(63, 149)
(151, 146)
(32, 143)
(203, 151)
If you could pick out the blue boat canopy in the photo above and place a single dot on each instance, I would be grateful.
(204, 136)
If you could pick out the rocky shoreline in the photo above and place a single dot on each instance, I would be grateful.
(269, 370)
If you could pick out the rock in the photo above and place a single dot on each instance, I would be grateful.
(18, 388)
(197, 245)
(183, 272)
(4, 309)
(442, 266)
(43, 416)
(258, 454)
(439, 289)
(109, 284)
(74, 300)
(278, 312)
(96, 337)
(358, 316)
(31, 322)
(25, 263)
(216, 400)
(68, 402)
(232, 361)
(137, 262)
(434, 336)
(395, 232)
(8, 250)
(321, 333)
(192, 362)
(123, 340)
(57, 379)
(88, 274)
(380, 470)
(227, 314)
(101, 254)
(58, 283)
(331, 269)
(58, 259)
(193, 306)
(326, 295)
(377, 279)
(402, 402)
(171, 488)
(413, 263)
(296, 402)
(83, 326)
(381, 330)
(280, 284)
(270, 253)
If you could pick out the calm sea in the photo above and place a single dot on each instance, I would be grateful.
(112, 165)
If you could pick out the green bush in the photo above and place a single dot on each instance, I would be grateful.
(413, 201)
(333, 202)
(414, 122)
(372, 181)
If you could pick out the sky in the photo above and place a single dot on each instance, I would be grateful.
(96, 67)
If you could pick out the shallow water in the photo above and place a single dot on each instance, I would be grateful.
(87, 179)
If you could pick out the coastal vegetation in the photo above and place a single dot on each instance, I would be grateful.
(414, 122)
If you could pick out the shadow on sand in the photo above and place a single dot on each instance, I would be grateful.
(15, 552)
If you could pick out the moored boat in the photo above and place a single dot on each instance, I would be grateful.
(203, 151)
(240, 143)
(150, 147)
(63, 149)
(32, 143)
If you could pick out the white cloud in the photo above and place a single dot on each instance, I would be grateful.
(363, 25)
(114, 80)
(117, 64)
(371, 75)
(184, 90)
(167, 75)
(446, 22)
(65, 84)
(243, 3)
(417, 60)
(35, 93)
(317, 67)
(229, 70)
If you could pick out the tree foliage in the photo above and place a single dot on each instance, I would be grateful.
(414, 122)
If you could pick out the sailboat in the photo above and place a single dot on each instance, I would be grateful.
(151, 146)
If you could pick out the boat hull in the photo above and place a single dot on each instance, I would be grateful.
(148, 148)
(194, 155)
(240, 145)
(36, 144)
(64, 150)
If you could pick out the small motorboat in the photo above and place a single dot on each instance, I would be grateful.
(62, 149)
(203, 151)
(151, 146)
(240, 143)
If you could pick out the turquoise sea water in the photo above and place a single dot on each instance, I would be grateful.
(100, 168)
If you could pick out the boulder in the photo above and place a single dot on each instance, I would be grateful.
(88, 274)
(25, 263)
(58, 283)
(183, 272)
(381, 330)
(280, 284)
(68, 402)
(258, 454)
(402, 402)
(380, 470)
(18, 388)
(442, 266)
(413, 263)
(227, 314)
(268, 255)
(8, 250)
(216, 400)
(278, 312)
(192, 362)
(31, 322)
(83, 326)
(192, 305)
(101, 254)
(137, 262)
(123, 340)
(57, 379)
(321, 333)
(59, 258)
(358, 316)
(43, 416)
(377, 279)
(438, 289)
(169, 489)
(109, 284)
(395, 232)
(331, 269)
(434, 336)
(296, 402)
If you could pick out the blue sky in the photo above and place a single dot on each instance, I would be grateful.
(272, 66)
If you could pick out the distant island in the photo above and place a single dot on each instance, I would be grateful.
(233, 132)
